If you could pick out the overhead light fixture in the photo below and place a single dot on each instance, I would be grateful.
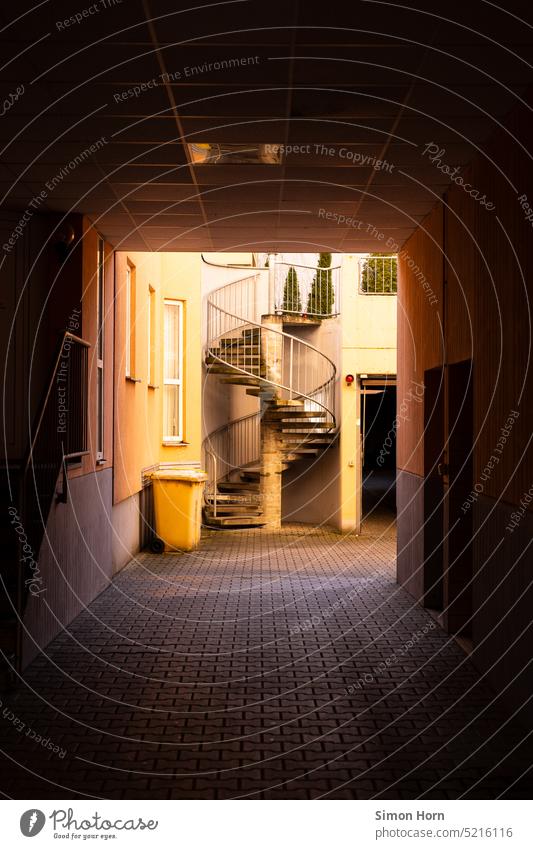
(215, 153)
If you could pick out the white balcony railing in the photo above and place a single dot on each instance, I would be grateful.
(306, 290)
(378, 275)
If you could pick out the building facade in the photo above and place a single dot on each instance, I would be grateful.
(351, 334)
(157, 379)
(103, 350)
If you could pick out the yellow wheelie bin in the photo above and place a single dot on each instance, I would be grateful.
(178, 508)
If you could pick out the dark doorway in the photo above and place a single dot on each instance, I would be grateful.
(378, 430)
(458, 483)
(433, 487)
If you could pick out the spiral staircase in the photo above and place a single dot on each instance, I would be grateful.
(295, 386)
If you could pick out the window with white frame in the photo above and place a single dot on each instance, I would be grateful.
(173, 372)
(151, 336)
(129, 353)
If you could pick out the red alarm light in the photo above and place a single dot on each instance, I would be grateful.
(349, 379)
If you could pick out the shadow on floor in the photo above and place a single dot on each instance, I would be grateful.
(263, 665)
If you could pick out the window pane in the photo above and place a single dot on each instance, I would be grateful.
(128, 322)
(150, 376)
(172, 397)
(151, 336)
(172, 341)
(171, 411)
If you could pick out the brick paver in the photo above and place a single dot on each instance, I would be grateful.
(260, 666)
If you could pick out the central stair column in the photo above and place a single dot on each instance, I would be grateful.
(271, 442)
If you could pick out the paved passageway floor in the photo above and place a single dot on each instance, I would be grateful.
(261, 666)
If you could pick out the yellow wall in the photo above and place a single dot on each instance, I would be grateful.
(368, 328)
(138, 407)
(362, 340)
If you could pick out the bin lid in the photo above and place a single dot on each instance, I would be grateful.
(191, 475)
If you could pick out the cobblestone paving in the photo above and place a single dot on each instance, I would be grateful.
(260, 666)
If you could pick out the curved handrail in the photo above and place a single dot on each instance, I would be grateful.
(310, 267)
(232, 445)
(281, 333)
(231, 423)
(296, 369)
(222, 322)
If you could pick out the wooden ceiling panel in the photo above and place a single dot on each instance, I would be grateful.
(373, 84)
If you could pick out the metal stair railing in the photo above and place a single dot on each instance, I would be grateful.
(297, 369)
(231, 446)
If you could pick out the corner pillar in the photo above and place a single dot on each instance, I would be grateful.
(271, 439)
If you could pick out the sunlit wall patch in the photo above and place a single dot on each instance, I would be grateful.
(214, 153)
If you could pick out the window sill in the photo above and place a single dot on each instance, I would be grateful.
(175, 444)
(133, 379)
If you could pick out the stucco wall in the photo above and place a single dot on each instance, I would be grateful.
(311, 487)
(138, 407)
(368, 328)
(74, 561)
(479, 264)
(60, 293)
(126, 533)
